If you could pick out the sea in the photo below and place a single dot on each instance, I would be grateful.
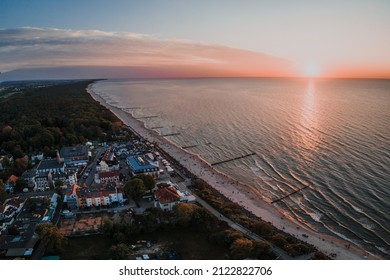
(330, 137)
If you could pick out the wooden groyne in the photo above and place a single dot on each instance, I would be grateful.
(131, 108)
(171, 134)
(189, 147)
(157, 127)
(231, 159)
(147, 117)
(290, 194)
(195, 145)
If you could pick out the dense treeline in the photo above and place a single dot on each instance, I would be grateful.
(292, 245)
(184, 217)
(47, 118)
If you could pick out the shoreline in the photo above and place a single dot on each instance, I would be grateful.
(244, 195)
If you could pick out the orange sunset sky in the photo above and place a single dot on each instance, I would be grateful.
(152, 38)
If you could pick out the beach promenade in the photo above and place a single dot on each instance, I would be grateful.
(244, 195)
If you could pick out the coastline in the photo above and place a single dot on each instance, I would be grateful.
(242, 194)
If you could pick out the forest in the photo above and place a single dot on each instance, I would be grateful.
(47, 116)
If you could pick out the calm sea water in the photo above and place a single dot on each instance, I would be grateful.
(331, 134)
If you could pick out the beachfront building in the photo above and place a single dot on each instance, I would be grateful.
(141, 165)
(166, 197)
(74, 156)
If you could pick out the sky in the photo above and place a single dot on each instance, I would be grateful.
(341, 38)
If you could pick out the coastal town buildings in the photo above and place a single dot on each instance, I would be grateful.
(108, 177)
(167, 195)
(78, 197)
(141, 165)
(74, 156)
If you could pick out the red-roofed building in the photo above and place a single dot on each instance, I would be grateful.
(109, 177)
(166, 197)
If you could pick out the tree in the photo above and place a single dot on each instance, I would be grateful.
(135, 188)
(119, 252)
(51, 236)
(262, 228)
(148, 180)
(20, 184)
(108, 226)
(241, 248)
(279, 240)
(262, 250)
(184, 213)
(3, 193)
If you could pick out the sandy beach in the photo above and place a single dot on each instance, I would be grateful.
(244, 195)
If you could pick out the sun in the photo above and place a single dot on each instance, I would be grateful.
(311, 70)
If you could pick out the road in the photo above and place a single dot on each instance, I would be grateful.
(279, 252)
(92, 166)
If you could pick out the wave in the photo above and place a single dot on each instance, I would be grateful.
(339, 145)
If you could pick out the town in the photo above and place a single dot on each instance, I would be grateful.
(76, 182)
(83, 179)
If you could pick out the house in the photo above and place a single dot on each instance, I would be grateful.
(29, 178)
(51, 165)
(42, 181)
(11, 183)
(72, 178)
(104, 197)
(103, 166)
(74, 156)
(166, 197)
(141, 165)
(71, 197)
(22, 245)
(109, 177)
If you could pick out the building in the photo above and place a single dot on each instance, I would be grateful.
(50, 165)
(11, 183)
(42, 182)
(109, 177)
(140, 165)
(74, 155)
(166, 197)
(71, 197)
(29, 178)
(104, 197)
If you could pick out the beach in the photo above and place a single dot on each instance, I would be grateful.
(242, 194)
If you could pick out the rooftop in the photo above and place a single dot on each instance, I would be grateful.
(77, 151)
(140, 163)
(109, 174)
(12, 179)
(167, 194)
(49, 164)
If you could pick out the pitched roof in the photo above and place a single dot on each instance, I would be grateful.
(166, 195)
(12, 179)
(109, 174)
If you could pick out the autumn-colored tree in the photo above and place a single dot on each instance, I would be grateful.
(262, 250)
(50, 236)
(241, 248)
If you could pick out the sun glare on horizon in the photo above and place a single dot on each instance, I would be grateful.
(311, 70)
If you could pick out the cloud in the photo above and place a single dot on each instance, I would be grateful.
(36, 47)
